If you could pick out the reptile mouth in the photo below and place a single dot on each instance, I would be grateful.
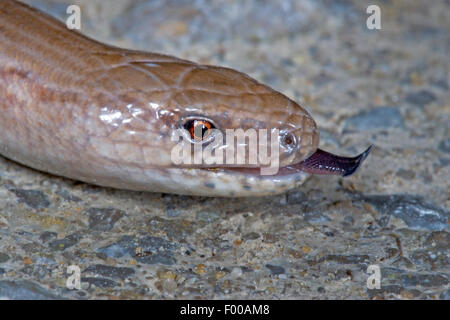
(320, 162)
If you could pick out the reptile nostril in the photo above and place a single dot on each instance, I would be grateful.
(288, 140)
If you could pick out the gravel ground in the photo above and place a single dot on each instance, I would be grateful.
(389, 87)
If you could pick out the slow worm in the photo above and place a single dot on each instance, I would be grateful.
(77, 108)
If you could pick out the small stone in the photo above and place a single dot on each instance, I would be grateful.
(445, 146)
(103, 219)
(444, 162)
(424, 280)
(269, 237)
(420, 98)
(99, 282)
(394, 289)
(431, 258)
(413, 210)
(250, 236)
(166, 275)
(200, 269)
(27, 261)
(296, 197)
(37, 271)
(410, 294)
(153, 250)
(24, 290)
(47, 235)
(294, 253)
(391, 274)
(312, 215)
(66, 195)
(275, 270)
(110, 271)
(403, 263)
(438, 239)
(219, 274)
(445, 295)
(379, 118)
(343, 274)
(246, 269)
(173, 228)
(306, 249)
(236, 272)
(298, 224)
(3, 257)
(62, 244)
(172, 212)
(33, 198)
(207, 216)
(167, 285)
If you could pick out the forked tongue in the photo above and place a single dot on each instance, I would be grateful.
(322, 162)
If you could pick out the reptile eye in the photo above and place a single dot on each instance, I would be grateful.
(199, 129)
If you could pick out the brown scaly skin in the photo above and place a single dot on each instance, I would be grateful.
(77, 108)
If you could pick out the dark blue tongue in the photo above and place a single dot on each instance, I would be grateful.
(322, 162)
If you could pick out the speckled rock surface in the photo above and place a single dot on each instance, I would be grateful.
(388, 87)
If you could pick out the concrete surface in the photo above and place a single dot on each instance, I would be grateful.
(389, 87)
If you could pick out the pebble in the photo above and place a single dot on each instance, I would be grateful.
(67, 242)
(35, 199)
(25, 290)
(47, 235)
(3, 257)
(375, 119)
(415, 211)
(445, 295)
(110, 271)
(236, 272)
(152, 250)
(431, 258)
(274, 269)
(207, 216)
(36, 271)
(99, 282)
(103, 219)
(172, 212)
(315, 216)
(424, 280)
(420, 98)
(438, 240)
(251, 236)
(444, 146)
(296, 197)
(174, 228)
(66, 195)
